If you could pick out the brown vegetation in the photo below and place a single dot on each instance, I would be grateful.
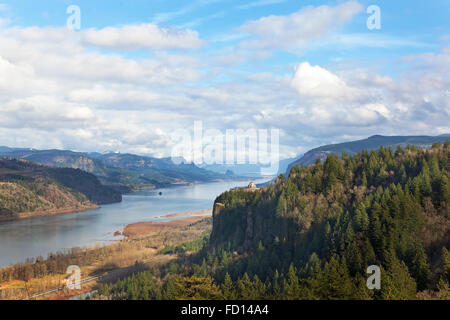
(189, 213)
(151, 227)
(135, 253)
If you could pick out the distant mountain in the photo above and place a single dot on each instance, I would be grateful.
(160, 171)
(124, 172)
(373, 142)
(248, 170)
(8, 149)
(28, 189)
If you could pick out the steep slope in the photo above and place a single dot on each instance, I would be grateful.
(28, 189)
(373, 142)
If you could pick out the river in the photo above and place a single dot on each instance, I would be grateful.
(34, 237)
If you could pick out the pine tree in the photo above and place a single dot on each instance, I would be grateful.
(291, 284)
(276, 288)
(425, 181)
(228, 288)
(420, 268)
(259, 288)
(364, 179)
(396, 282)
(335, 281)
(446, 264)
(245, 288)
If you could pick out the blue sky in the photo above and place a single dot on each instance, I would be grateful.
(228, 63)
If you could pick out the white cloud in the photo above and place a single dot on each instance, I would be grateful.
(57, 52)
(316, 82)
(43, 112)
(363, 98)
(292, 33)
(142, 36)
(129, 37)
(296, 30)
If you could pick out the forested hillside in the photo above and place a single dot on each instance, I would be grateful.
(312, 234)
(28, 189)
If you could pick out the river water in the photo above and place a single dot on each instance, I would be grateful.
(34, 237)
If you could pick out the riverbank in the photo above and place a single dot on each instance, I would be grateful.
(46, 213)
(189, 213)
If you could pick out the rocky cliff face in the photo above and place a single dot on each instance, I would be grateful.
(239, 224)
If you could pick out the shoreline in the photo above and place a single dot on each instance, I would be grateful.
(193, 183)
(187, 214)
(40, 214)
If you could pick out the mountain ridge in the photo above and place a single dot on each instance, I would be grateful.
(123, 171)
(372, 142)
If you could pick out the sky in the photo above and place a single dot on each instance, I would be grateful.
(137, 71)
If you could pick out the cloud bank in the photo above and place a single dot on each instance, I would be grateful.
(83, 91)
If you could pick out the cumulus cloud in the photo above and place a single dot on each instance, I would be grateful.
(296, 30)
(371, 101)
(59, 52)
(319, 83)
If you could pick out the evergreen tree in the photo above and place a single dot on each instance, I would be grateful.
(228, 288)
(291, 287)
(396, 282)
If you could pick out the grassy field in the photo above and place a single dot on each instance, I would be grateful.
(146, 248)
